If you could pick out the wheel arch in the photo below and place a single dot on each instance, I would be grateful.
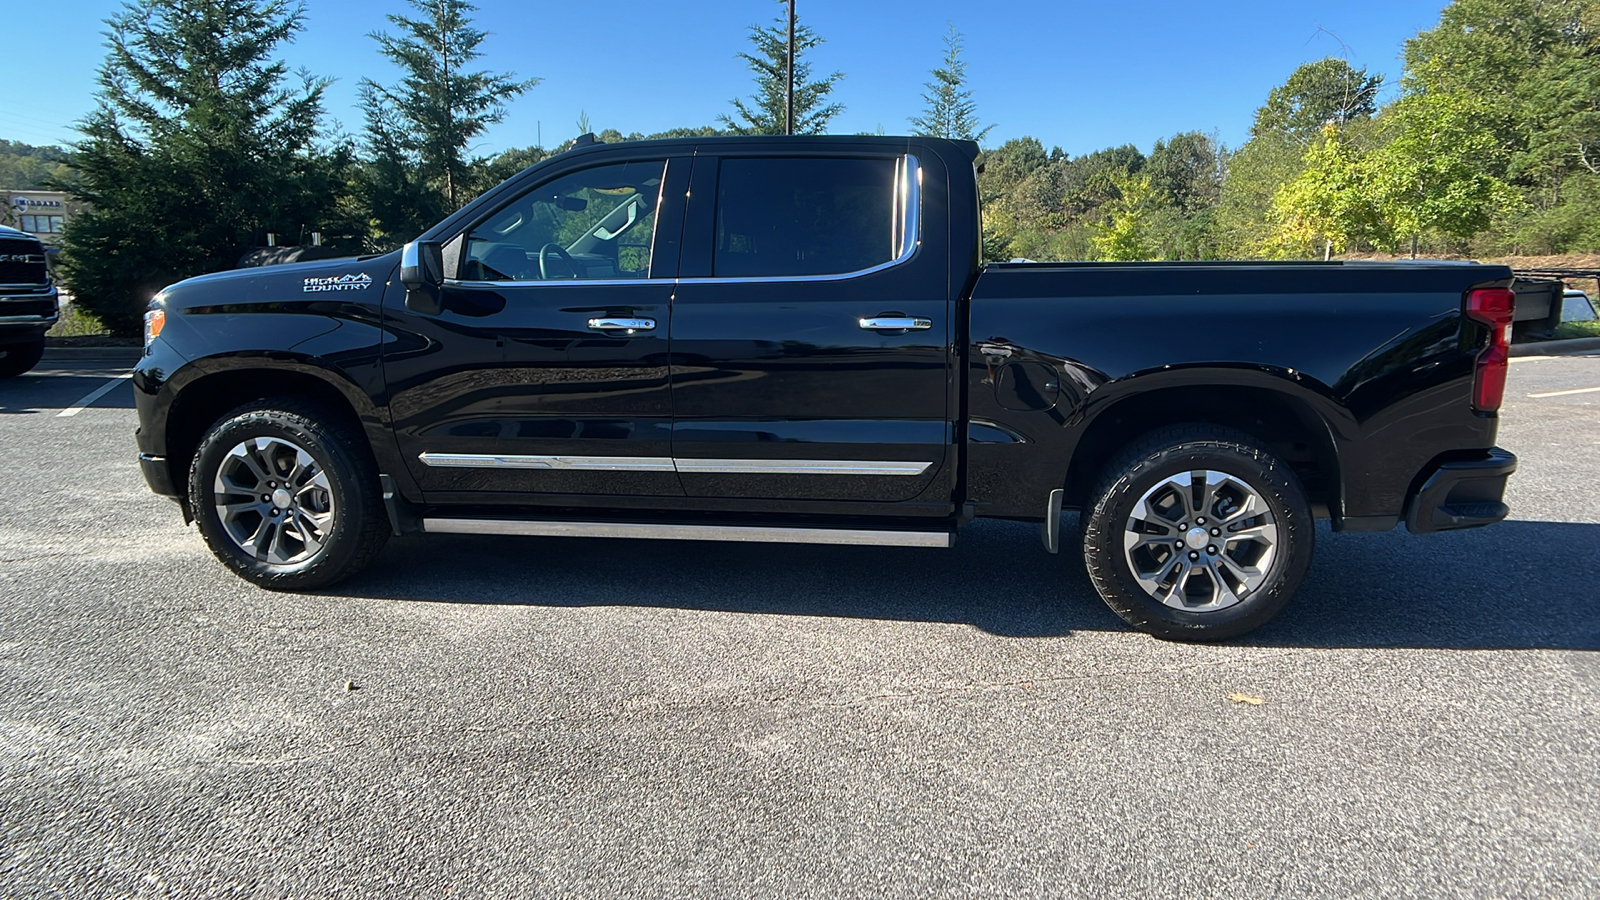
(206, 390)
(1301, 426)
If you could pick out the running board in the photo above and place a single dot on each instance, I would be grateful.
(661, 532)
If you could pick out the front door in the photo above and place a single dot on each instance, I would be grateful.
(546, 375)
(812, 333)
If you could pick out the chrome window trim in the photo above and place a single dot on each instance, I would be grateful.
(907, 233)
(674, 464)
(655, 531)
(908, 228)
(565, 282)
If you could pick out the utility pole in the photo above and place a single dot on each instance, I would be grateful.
(788, 106)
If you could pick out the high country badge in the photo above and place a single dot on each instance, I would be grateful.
(339, 283)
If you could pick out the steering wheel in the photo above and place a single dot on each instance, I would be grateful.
(544, 269)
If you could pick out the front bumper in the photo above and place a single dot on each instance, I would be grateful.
(1462, 493)
(158, 474)
(27, 316)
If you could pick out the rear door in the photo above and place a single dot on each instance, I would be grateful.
(812, 335)
(546, 375)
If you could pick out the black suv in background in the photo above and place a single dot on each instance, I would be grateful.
(28, 304)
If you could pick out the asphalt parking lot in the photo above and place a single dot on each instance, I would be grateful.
(501, 716)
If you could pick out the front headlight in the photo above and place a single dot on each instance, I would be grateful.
(154, 321)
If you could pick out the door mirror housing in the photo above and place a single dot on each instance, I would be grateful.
(422, 272)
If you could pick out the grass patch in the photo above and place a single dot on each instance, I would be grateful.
(74, 322)
(1578, 329)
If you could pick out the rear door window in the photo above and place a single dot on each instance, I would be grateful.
(805, 216)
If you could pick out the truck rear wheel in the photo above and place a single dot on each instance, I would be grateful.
(16, 359)
(286, 496)
(1197, 533)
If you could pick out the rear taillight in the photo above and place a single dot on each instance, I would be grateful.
(1493, 307)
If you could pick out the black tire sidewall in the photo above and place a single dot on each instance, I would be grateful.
(345, 473)
(20, 358)
(1114, 579)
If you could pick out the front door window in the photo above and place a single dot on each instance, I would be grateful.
(596, 224)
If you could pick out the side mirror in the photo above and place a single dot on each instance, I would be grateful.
(422, 272)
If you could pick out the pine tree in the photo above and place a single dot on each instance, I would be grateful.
(419, 131)
(196, 146)
(951, 112)
(765, 114)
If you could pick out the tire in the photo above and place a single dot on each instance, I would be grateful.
(1231, 574)
(313, 512)
(20, 358)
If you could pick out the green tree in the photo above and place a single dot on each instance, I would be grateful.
(1255, 173)
(1540, 62)
(1433, 175)
(28, 168)
(507, 163)
(1330, 205)
(1188, 168)
(419, 131)
(1001, 171)
(1317, 94)
(1126, 235)
(1326, 92)
(950, 111)
(196, 144)
(765, 113)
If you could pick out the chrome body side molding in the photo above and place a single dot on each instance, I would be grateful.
(569, 463)
(653, 531)
(802, 466)
(669, 464)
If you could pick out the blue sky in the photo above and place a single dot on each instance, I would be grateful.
(1076, 75)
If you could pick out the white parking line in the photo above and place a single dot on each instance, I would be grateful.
(1565, 393)
(94, 395)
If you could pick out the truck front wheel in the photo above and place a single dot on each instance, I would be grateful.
(286, 496)
(16, 359)
(1197, 533)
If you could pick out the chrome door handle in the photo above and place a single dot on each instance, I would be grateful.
(895, 323)
(625, 326)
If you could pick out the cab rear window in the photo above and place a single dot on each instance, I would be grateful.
(784, 217)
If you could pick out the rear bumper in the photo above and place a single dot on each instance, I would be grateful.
(1462, 493)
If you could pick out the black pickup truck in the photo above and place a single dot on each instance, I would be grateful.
(793, 340)
(28, 303)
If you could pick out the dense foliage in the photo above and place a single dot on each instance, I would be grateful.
(27, 168)
(420, 130)
(201, 141)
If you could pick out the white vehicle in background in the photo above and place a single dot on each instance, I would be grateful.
(1577, 307)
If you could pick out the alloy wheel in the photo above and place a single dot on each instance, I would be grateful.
(274, 500)
(1200, 541)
